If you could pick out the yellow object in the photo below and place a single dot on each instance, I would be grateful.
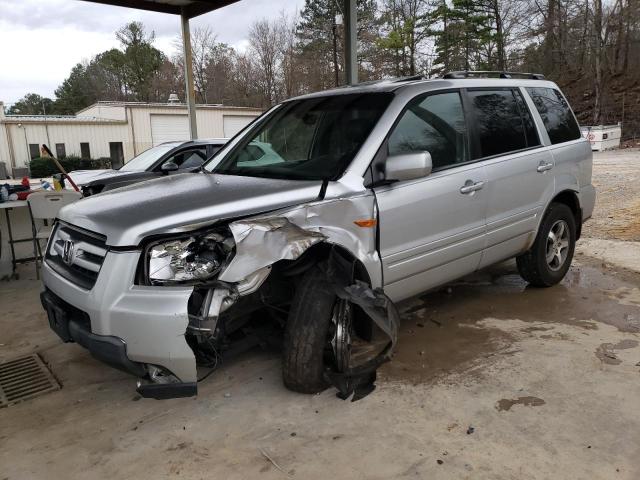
(368, 223)
(56, 185)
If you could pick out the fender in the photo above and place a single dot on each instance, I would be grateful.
(576, 196)
(286, 234)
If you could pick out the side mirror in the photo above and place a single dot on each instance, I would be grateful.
(408, 166)
(169, 167)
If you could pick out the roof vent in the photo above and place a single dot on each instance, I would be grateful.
(173, 98)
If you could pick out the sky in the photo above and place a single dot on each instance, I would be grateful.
(41, 40)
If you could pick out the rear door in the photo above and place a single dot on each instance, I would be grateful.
(517, 166)
(432, 229)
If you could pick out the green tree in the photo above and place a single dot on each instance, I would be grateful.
(321, 39)
(107, 75)
(141, 61)
(465, 35)
(75, 93)
(407, 27)
(32, 104)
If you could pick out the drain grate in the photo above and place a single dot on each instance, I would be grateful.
(24, 378)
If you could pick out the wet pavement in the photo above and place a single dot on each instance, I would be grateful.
(440, 332)
(491, 379)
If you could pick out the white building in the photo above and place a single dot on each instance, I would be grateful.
(118, 130)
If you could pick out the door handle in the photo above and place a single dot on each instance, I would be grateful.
(544, 166)
(470, 186)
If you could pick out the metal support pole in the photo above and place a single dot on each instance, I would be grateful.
(351, 42)
(188, 75)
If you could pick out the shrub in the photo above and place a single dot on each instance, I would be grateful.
(44, 167)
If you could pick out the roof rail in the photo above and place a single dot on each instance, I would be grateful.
(410, 78)
(490, 73)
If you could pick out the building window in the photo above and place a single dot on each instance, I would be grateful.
(85, 150)
(61, 152)
(34, 150)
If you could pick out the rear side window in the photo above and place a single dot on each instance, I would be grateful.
(558, 120)
(433, 124)
(501, 123)
(188, 158)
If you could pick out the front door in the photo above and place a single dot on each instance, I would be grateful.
(432, 229)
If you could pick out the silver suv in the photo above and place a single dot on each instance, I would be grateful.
(311, 224)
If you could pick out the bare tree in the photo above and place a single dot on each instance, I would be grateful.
(289, 55)
(265, 43)
(203, 42)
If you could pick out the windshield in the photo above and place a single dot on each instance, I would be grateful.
(147, 158)
(310, 139)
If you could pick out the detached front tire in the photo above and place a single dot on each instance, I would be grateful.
(549, 259)
(310, 328)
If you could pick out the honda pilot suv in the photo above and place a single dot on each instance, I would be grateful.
(310, 226)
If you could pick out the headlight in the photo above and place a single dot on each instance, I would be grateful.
(188, 260)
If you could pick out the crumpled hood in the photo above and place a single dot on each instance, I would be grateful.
(185, 201)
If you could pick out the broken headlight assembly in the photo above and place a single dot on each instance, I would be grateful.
(188, 260)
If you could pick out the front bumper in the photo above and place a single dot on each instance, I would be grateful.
(72, 326)
(127, 325)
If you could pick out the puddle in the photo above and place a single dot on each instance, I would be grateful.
(606, 352)
(505, 404)
(440, 332)
(627, 296)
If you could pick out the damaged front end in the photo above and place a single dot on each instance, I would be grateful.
(244, 275)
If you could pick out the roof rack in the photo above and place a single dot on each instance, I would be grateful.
(490, 73)
(409, 78)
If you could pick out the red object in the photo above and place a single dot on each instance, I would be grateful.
(25, 182)
(24, 195)
(73, 184)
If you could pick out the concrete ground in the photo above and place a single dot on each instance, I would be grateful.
(491, 379)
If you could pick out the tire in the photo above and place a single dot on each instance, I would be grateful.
(534, 266)
(306, 333)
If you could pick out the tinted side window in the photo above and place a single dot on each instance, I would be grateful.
(188, 158)
(498, 121)
(560, 123)
(434, 124)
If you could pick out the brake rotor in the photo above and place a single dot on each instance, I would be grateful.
(341, 319)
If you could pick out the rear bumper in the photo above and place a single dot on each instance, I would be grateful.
(587, 201)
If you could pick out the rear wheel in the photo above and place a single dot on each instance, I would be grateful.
(549, 259)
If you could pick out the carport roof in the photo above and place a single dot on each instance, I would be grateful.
(190, 8)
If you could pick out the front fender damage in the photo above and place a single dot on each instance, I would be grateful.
(262, 241)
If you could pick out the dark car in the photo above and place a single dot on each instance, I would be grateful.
(163, 159)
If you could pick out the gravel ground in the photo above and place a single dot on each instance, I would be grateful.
(616, 176)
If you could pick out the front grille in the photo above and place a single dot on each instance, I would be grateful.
(76, 254)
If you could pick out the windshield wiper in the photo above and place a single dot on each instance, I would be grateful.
(323, 188)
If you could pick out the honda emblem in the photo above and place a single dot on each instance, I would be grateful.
(68, 252)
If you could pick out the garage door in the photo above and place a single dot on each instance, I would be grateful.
(169, 128)
(234, 123)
